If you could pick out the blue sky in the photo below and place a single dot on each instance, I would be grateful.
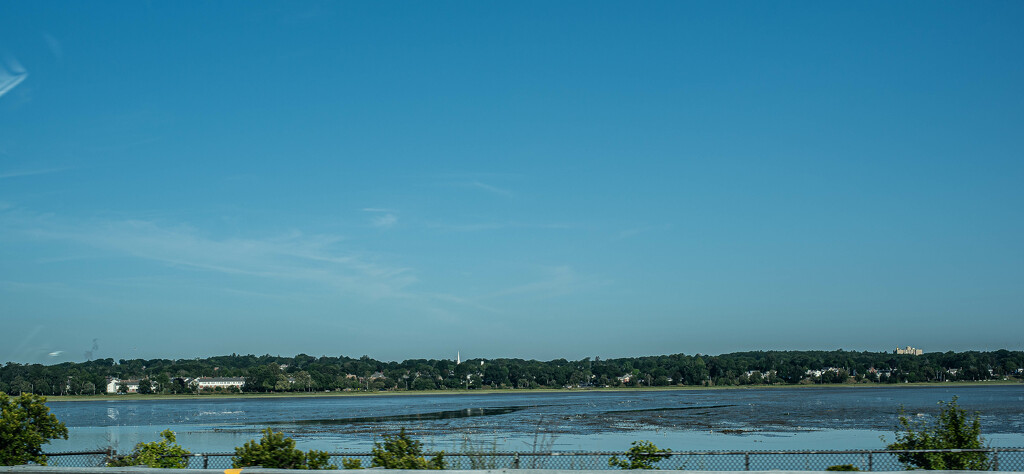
(536, 180)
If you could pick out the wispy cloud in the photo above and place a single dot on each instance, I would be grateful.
(486, 226)
(488, 188)
(11, 74)
(633, 232)
(295, 257)
(477, 182)
(55, 46)
(554, 281)
(19, 173)
(295, 264)
(387, 220)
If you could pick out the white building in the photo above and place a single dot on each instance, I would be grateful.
(211, 383)
(113, 384)
(819, 373)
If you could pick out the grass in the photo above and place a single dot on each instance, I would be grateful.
(130, 397)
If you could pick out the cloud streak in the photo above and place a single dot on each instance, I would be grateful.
(314, 259)
(20, 173)
(489, 188)
(11, 74)
(556, 281)
(486, 226)
(385, 221)
(295, 265)
(388, 220)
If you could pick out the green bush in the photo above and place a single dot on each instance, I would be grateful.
(402, 452)
(26, 424)
(274, 450)
(643, 455)
(953, 429)
(350, 463)
(165, 454)
(842, 467)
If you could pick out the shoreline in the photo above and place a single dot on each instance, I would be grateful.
(494, 391)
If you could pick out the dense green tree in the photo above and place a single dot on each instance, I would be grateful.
(165, 453)
(26, 424)
(953, 428)
(275, 450)
(303, 381)
(642, 455)
(402, 452)
(423, 383)
(496, 374)
(262, 378)
(162, 382)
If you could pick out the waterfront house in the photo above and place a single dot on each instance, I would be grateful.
(113, 383)
(212, 383)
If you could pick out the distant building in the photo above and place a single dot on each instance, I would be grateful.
(131, 386)
(819, 373)
(908, 351)
(211, 383)
(625, 378)
(757, 373)
(880, 373)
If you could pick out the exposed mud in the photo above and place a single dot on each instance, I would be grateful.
(430, 416)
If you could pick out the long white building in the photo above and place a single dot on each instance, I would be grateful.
(210, 383)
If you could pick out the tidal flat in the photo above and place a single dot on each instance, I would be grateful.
(831, 417)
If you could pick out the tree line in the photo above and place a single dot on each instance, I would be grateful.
(302, 372)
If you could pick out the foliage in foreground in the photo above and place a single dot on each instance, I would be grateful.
(165, 453)
(954, 428)
(399, 452)
(275, 450)
(25, 425)
(643, 455)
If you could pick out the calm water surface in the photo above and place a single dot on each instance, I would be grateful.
(784, 418)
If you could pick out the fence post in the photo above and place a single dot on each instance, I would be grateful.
(871, 463)
(746, 460)
(995, 460)
(206, 461)
(515, 461)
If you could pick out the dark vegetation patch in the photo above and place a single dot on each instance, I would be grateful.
(436, 415)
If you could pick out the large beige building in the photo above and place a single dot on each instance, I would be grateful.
(909, 351)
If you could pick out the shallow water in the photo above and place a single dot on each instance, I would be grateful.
(779, 418)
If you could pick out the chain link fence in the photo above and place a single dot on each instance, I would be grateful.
(999, 459)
